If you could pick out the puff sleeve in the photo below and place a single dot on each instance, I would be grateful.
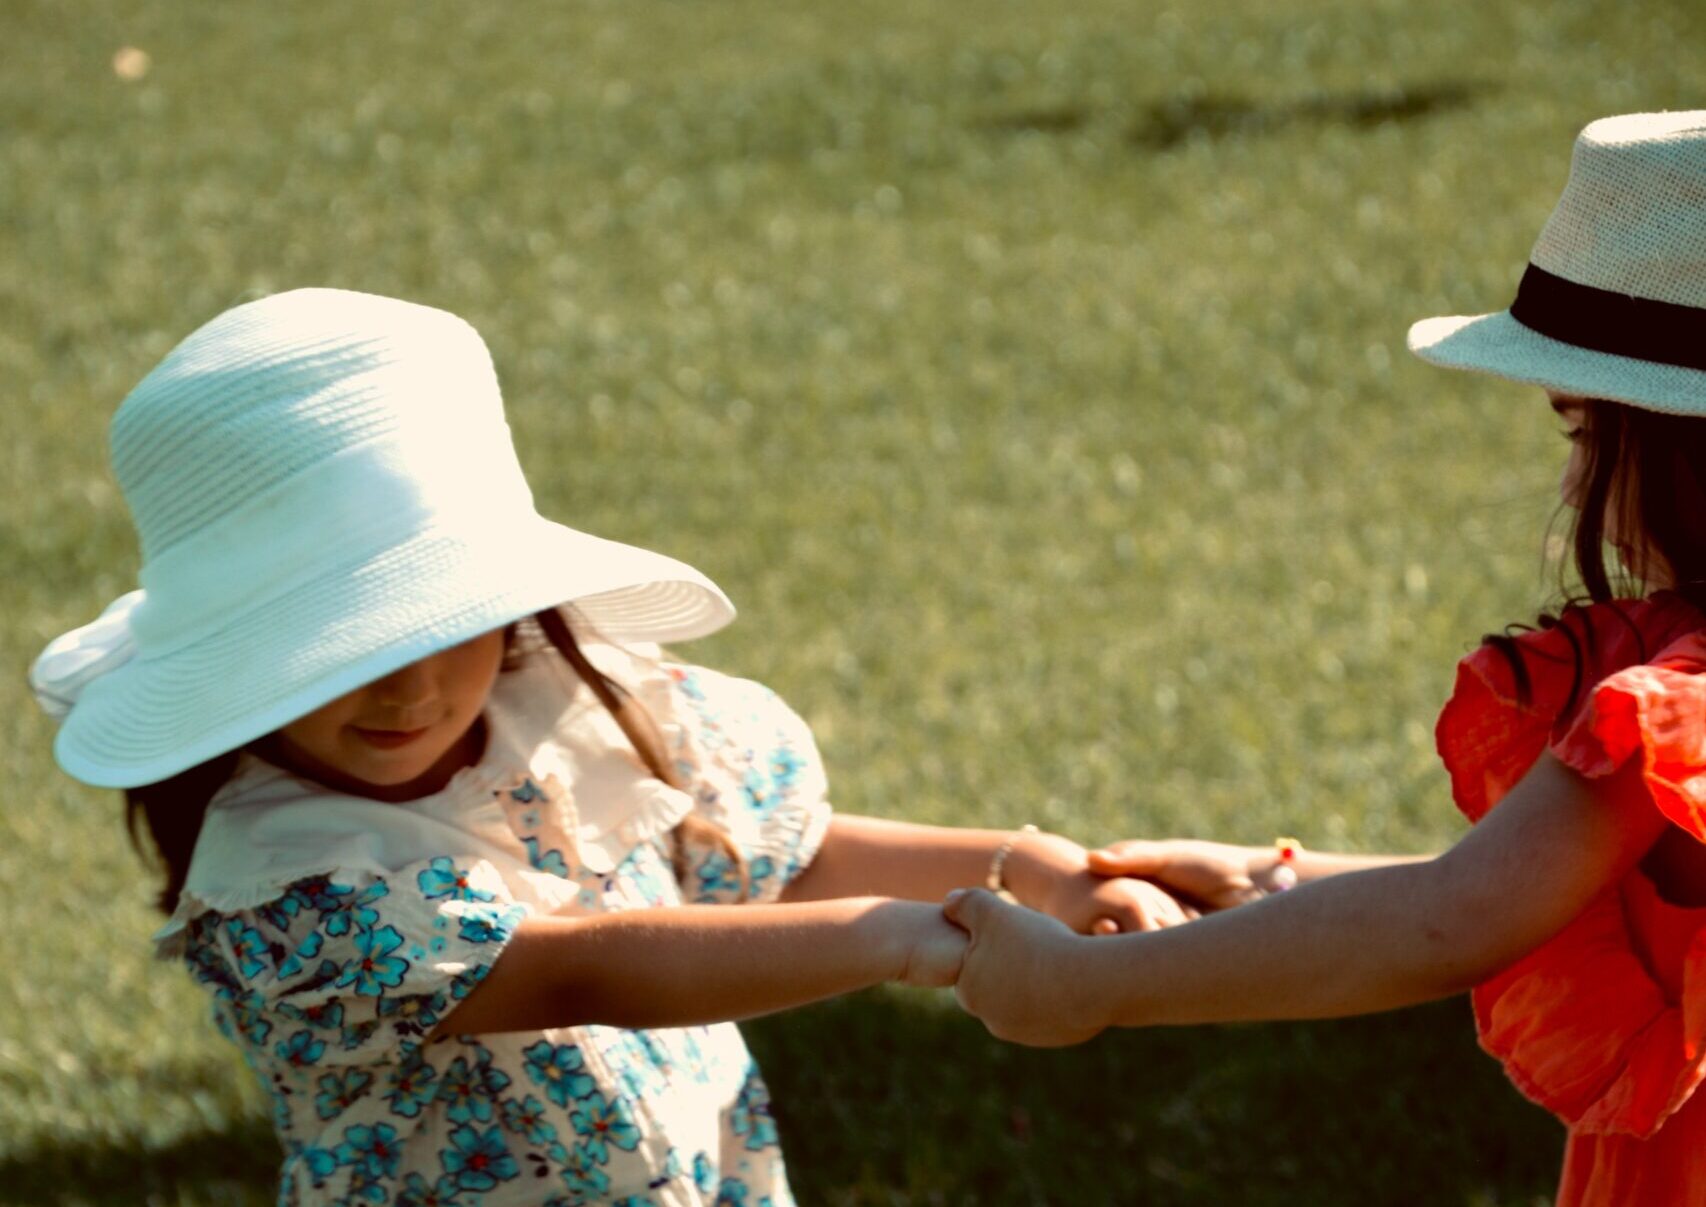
(754, 772)
(352, 968)
(1585, 1024)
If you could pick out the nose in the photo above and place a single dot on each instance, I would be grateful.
(406, 688)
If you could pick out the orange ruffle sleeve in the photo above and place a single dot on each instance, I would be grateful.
(1582, 1024)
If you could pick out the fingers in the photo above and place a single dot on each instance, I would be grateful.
(967, 907)
(1133, 857)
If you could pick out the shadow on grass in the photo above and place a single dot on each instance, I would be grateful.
(890, 1098)
(1166, 123)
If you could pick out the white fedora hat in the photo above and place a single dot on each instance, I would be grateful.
(325, 490)
(1613, 304)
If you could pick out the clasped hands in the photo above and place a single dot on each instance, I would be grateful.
(1015, 966)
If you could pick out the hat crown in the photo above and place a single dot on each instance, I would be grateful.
(1632, 219)
(272, 388)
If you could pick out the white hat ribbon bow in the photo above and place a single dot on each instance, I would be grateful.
(76, 659)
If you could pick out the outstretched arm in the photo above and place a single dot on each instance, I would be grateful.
(873, 856)
(1216, 875)
(693, 964)
(1350, 944)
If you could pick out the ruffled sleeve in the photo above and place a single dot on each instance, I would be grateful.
(754, 772)
(1582, 1024)
(352, 968)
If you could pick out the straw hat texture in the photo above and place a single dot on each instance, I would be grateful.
(325, 490)
(1613, 304)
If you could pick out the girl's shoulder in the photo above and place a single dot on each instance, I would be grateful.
(1595, 688)
(1548, 671)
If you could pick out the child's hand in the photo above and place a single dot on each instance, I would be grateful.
(926, 949)
(1054, 875)
(1210, 874)
(1015, 976)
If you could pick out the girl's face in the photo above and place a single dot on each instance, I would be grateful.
(399, 737)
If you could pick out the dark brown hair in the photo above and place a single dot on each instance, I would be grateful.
(1647, 471)
(172, 810)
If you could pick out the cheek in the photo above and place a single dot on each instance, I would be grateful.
(475, 669)
(318, 733)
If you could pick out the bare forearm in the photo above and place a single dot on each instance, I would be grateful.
(868, 856)
(686, 965)
(1351, 944)
(1393, 935)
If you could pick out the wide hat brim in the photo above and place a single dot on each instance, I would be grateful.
(1501, 345)
(153, 717)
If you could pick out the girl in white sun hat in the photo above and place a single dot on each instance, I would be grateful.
(1576, 907)
(476, 877)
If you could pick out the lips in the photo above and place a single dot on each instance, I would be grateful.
(388, 739)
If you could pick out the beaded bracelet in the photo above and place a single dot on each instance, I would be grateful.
(1284, 875)
(998, 861)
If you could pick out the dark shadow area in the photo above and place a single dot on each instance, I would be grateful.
(888, 1098)
(882, 1100)
(1061, 119)
(1167, 123)
(234, 1166)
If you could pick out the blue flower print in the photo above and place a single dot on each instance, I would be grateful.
(441, 879)
(560, 1069)
(246, 1015)
(411, 1088)
(279, 913)
(750, 1116)
(644, 870)
(320, 1163)
(717, 874)
(416, 1192)
(547, 860)
(374, 1150)
(527, 793)
(323, 1016)
(732, 1193)
(249, 946)
(357, 912)
(635, 1200)
(471, 1089)
(758, 871)
(526, 1117)
(412, 1013)
(704, 1173)
(582, 1175)
(756, 787)
(364, 1184)
(377, 969)
(338, 1091)
(477, 1160)
(297, 960)
(601, 1122)
(785, 767)
(486, 924)
(301, 1050)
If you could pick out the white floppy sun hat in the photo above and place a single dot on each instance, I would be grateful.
(1613, 304)
(325, 490)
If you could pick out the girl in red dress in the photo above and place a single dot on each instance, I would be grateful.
(1576, 908)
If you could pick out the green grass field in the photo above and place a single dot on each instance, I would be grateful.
(1033, 378)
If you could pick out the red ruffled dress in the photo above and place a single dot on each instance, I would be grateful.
(1603, 1024)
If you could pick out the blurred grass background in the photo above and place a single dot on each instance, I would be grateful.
(1032, 376)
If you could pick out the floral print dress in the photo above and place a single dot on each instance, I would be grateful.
(334, 932)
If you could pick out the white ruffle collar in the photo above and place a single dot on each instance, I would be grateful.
(267, 828)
